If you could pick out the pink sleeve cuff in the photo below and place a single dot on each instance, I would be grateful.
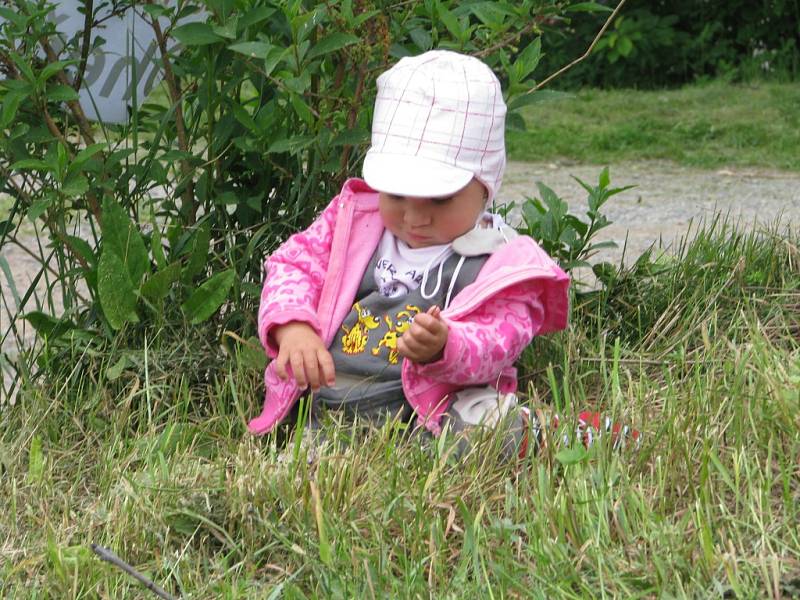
(282, 318)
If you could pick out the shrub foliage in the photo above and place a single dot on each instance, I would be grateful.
(263, 111)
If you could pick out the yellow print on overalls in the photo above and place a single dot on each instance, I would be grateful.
(403, 321)
(354, 340)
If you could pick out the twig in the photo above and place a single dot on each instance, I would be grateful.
(88, 8)
(108, 556)
(508, 40)
(352, 116)
(50, 225)
(175, 96)
(585, 54)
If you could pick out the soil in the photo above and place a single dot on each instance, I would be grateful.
(667, 199)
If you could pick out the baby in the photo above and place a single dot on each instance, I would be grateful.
(405, 297)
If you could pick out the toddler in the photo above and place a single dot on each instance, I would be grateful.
(405, 296)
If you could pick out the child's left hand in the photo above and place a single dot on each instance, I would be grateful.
(424, 341)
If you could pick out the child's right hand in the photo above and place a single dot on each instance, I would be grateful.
(301, 347)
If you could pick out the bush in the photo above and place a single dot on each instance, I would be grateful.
(262, 114)
(656, 44)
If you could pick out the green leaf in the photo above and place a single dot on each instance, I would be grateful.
(331, 43)
(256, 15)
(23, 66)
(350, 137)
(38, 208)
(83, 249)
(155, 11)
(301, 109)
(121, 236)
(252, 49)
(589, 7)
(114, 371)
(625, 46)
(207, 299)
(159, 284)
(196, 34)
(604, 178)
(84, 155)
(117, 294)
(32, 163)
(450, 21)
(35, 460)
(48, 326)
(156, 248)
(15, 17)
(491, 13)
(252, 354)
(228, 29)
(535, 97)
(11, 104)
(54, 67)
(274, 57)
(528, 60)
(198, 256)
(61, 93)
(515, 122)
(421, 38)
(76, 185)
(572, 456)
(292, 145)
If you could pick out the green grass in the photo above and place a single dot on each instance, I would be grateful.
(705, 125)
(700, 352)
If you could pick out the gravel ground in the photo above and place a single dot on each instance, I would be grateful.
(666, 199)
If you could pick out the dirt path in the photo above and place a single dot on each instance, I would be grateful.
(666, 199)
(660, 208)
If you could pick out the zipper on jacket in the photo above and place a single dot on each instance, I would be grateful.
(346, 211)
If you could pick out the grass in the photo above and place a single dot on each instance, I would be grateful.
(707, 126)
(701, 352)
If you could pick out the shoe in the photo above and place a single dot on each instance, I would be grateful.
(588, 430)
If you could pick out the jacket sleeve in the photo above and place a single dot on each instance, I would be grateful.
(295, 274)
(489, 339)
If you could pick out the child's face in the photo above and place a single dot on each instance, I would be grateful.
(422, 222)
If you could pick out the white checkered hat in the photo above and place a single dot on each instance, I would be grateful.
(439, 121)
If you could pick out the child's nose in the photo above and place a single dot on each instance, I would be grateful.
(416, 213)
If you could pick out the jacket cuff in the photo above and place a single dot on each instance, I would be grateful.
(265, 330)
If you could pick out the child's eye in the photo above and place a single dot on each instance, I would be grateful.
(442, 201)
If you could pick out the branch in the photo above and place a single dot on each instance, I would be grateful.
(94, 206)
(508, 40)
(88, 7)
(585, 54)
(50, 226)
(175, 96)
(108, 556)
(74, 106)
(353, 115)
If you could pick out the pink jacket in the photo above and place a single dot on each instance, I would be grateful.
(314, 276)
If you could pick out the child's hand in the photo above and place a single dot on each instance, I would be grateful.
(301, 347)
(424, 341)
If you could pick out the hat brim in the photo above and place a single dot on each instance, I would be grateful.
(418, 176)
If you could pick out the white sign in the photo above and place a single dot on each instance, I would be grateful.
(130, 47)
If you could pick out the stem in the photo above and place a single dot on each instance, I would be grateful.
(585, 54)
(50, 226)
(175, 95)
(88, 8)
(108, 556)
(510, 39)
(353, 114)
